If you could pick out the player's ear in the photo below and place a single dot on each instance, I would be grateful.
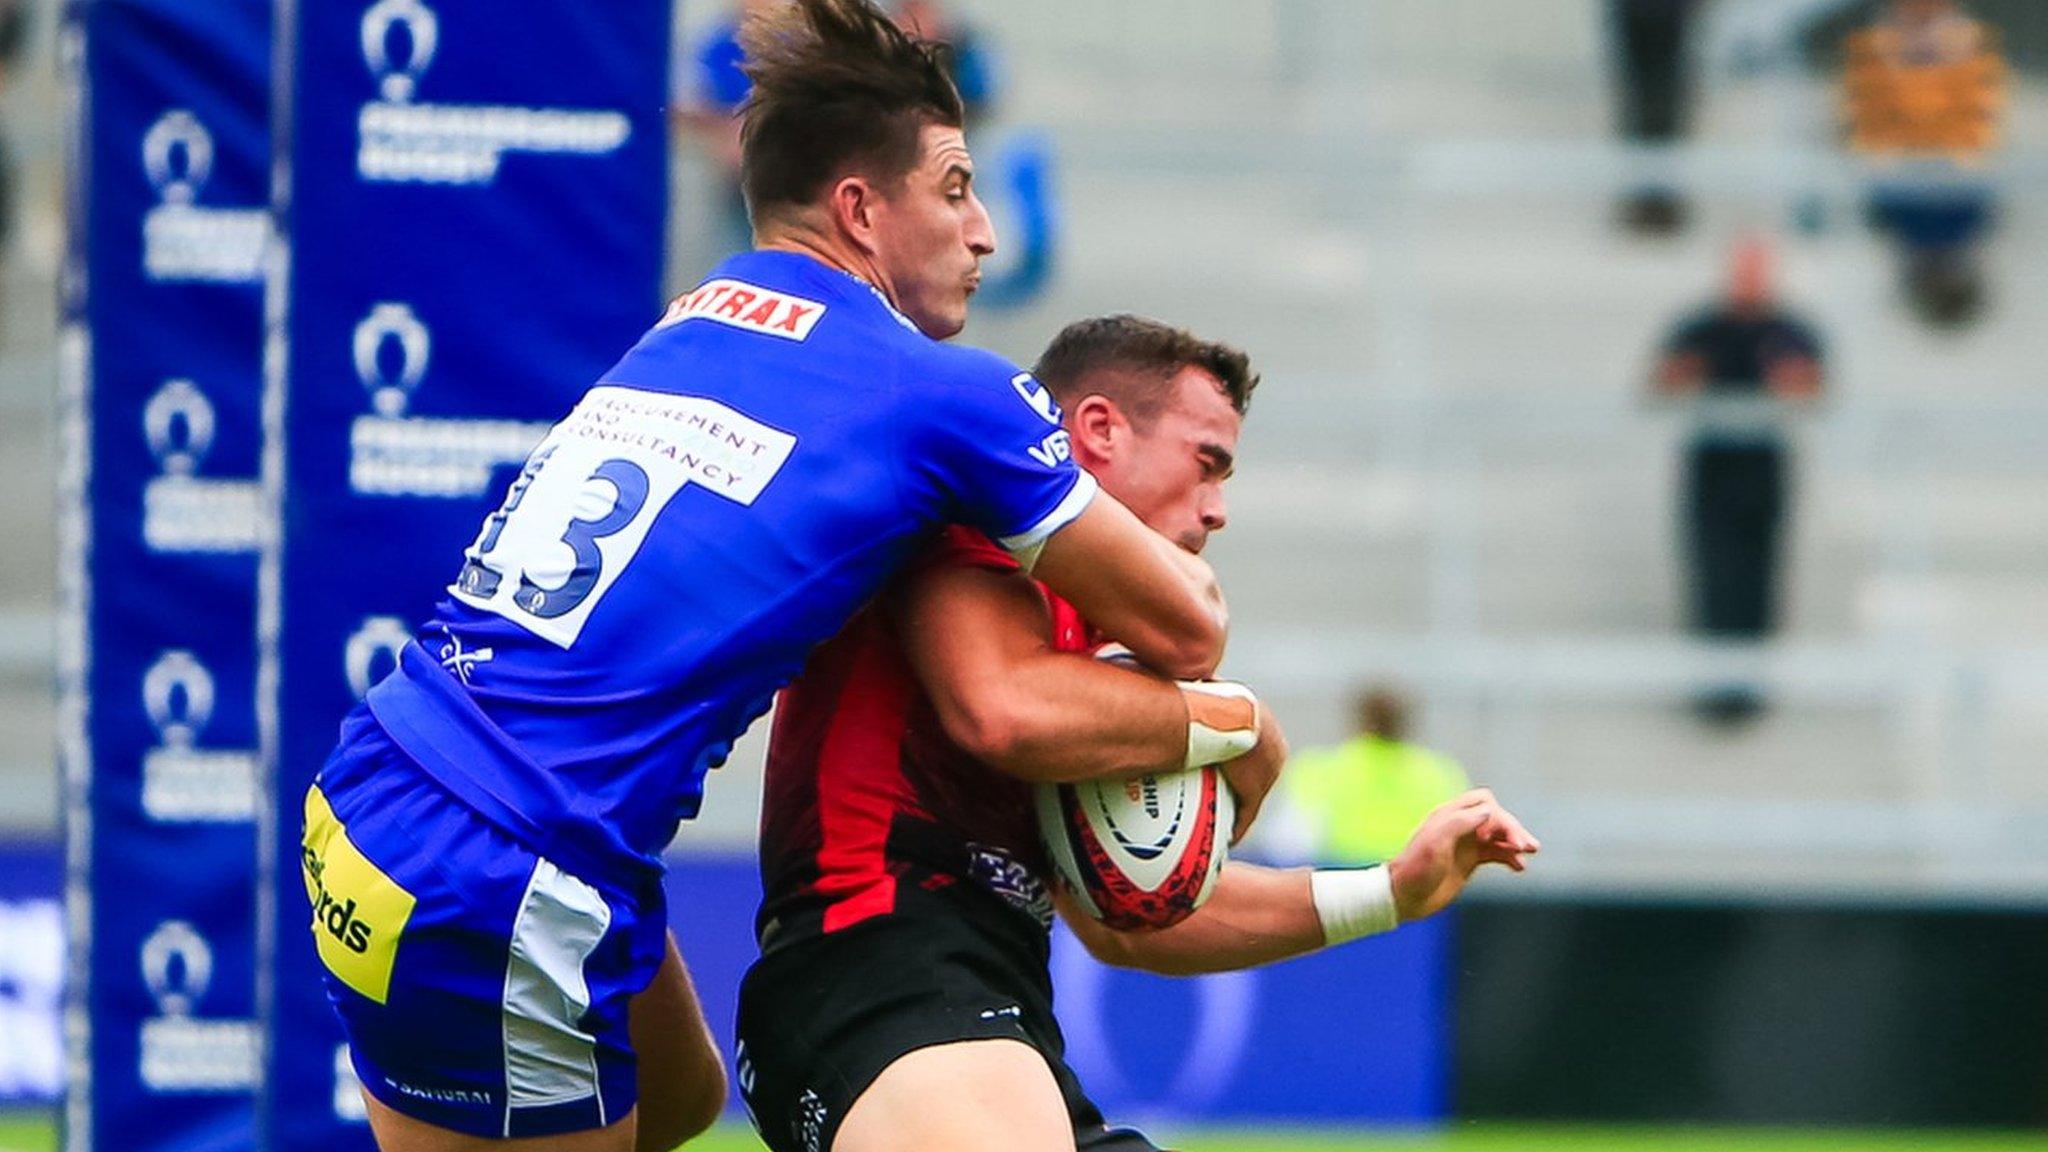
(853, 203)
(1097, 427)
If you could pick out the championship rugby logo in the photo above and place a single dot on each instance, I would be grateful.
(182, 1051)
(178, 422)
(177, 964)
(402, 141)
(177, 152)
(395, 453)
(182, 782)
(177, 692)
(182, 241)
(181, 511)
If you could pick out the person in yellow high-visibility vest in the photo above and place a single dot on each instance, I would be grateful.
(1359, 801)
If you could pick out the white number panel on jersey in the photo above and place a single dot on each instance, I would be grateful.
(580, 510)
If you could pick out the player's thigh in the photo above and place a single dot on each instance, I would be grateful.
(968, 1096)
(682, 1079)
(396, 1132)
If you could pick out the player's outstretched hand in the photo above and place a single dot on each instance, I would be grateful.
(1252, 775)
(1451, 843)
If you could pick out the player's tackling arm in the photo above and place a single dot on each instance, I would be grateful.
(976, 640)
(1157, 599)
(1261, 915)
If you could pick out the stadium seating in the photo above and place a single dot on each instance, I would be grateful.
(1451, 474)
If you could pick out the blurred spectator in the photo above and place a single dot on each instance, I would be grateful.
(1736, 358)
(706, 93)
(1923, 93)
(1655, 78)
(973, 66)
(1358, 802)
(13, 38)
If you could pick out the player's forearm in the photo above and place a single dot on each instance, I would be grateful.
(1256, 916)
(1063, 718)
(1154, 597)
(1175, 625)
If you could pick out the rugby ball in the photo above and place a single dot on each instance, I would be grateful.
(1140, 853)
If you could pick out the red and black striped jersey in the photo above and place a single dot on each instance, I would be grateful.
(868, 807)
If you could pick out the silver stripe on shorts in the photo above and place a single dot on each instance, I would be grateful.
(549, 1059)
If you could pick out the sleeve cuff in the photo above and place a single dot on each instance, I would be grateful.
(1026, 545)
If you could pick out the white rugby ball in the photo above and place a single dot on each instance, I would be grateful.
(1138, 853)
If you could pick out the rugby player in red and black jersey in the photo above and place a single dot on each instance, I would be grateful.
(903, 999)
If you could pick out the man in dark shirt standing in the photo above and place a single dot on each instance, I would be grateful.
(1739, 356)
(1653, 77)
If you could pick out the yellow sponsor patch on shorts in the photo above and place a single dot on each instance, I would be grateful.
(359, 913)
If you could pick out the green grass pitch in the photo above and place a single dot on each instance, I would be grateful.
(27, 1132)
(37, 1132)
(1543, 1138)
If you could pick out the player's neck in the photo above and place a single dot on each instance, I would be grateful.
(830, 252)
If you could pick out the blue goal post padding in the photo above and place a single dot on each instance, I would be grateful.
(160, 545)
(472, 207)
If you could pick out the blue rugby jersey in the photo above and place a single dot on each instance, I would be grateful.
(729, 493)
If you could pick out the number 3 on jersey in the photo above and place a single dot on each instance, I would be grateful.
(480, 579)
(581, 508)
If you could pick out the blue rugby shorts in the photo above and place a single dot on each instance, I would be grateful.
(482, 988)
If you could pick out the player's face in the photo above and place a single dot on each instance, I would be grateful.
(1172, 475)
(931, 233)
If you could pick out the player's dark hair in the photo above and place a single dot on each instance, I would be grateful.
(1133, 360)
(837, 87)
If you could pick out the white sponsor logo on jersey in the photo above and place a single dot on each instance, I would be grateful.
(580, 511)
(1054, 450)
(1035, 394)
(749, 306)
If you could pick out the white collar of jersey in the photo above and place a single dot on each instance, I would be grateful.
(861, 280)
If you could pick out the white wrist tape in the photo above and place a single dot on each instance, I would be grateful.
(1353, 902)
(1223, 721)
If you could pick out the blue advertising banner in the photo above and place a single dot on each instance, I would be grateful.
(473, 204)
(161, 356)
(1355, 1035)
(31, 973)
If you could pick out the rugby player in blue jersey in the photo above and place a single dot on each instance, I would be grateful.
(483, 848)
